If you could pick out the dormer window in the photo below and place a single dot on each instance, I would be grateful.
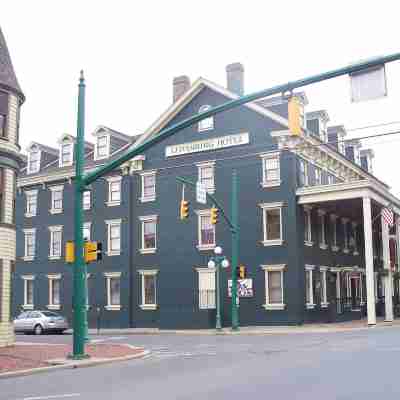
(207, 123)
(102, 147)
(34, 160)
(66, 152)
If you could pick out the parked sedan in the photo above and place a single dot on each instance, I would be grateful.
(38, 322)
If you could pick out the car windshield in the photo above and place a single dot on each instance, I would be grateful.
(49, 314)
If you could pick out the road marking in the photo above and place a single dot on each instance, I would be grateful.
(54, 396)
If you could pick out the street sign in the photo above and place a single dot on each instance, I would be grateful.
(244, 288)
(368, 84)
(201, 193)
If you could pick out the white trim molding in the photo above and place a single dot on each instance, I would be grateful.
(111, 180)
(143, 220)
(112, 223)
(200, 246)
(109, 276)
(143, 175)
(207, 164)
(53, 200)
(269, 207)
(143, 273)
(274, 268)
(276, 181)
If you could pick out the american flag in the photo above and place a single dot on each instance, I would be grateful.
(387, 215)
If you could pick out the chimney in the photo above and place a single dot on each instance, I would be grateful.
(235, 78)
(181, 85)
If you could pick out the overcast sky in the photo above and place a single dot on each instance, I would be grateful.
(131, 50)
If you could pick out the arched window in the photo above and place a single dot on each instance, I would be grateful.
(207, 123)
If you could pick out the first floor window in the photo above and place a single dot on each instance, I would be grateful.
(206, 231)
(55, 241)
(113, 237)
(206, 288)
(54, 291)
(113, 283)
(274, 287)
(149, 234)
(148, 186)
(271, 170)
(149, 289)
(28, 291)
(272, 223)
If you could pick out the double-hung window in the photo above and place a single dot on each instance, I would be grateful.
(307, 226)
(66, 153)
(33, 160)
(87, 199)
(113, 287)
(56, 199)
(310, 287)
(148, 186)
(206, 175)
(148, 289)
(207, 123)
(54, 291)
(114, 191)
(30, 240)
(303, 173)
(3, 126)
(206, 230)
(31, 203)
(322, 232)
(102, 147)
(206, 288)
(113, 237)
(272, 223)
(28, 291)
(271, 170)
(274, 287)
(55, 242)
(148, 234)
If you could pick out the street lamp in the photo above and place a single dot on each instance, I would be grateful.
(217, 262)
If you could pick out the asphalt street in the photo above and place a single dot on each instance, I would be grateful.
(347, 365)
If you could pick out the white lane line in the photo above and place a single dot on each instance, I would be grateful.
(54, 396)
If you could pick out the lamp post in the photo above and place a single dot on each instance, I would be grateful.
(217, 262)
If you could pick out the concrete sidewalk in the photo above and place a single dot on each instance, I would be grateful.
(253, 330)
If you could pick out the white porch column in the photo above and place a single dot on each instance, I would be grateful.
(398, 242)
(386, 265)
(369, 261)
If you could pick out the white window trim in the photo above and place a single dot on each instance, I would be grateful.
(274, 182)
(110, 180)
(29, 193)
(52, 229)
(273, 268)
(200, 127)
(96, 154)
(143, 219)
(324, 284)
(29, 170)
(207, 164)
(26, 232)
(271, 206)
(27, 306)
(308, 222)
(53, 189)
(334, 218)
(110, 223)
(322, 244)
(345, 236)
(70, 161)
(108, 276)
(200, 246)
(151, 272)
(311, 304)
(51, 278)
(206, 270)
(143, 198)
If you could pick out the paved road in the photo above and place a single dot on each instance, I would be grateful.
(350, 365)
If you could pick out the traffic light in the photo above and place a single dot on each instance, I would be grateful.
(92, 251)
(242, 272)
(214, 215)
(296, 116)
(69, 252)
(184, 209)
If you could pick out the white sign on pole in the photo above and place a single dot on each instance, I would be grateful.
(368, 84)
(201, 193)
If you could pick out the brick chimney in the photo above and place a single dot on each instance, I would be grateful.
(181, 85)
(235, 78)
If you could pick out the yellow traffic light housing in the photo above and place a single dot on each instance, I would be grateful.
(296, 116)
(70, 252)
(242, 272)
(92, 251)
(184, 209)
(214, 215)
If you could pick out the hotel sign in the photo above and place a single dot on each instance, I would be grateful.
(207, 145)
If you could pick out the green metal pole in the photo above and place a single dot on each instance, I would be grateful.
(218, 325)
(79, 273)
(235, 250)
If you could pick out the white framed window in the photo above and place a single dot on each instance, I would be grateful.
(206, 172)
(54, 291)
(310, 287)
(205, 230)
(56, 199)
(34, 156)
(207, 123)
(317, 176)
(271, 170)
(148, 234)
(30, 244)
(113, 237)
(113, 287)
(87, 200)
(28, 291)
(66, 156)
(148, 279)
(322, 230)
(308, 226)
(324, 293)
(334, 219)
(87, 231)
(345, 236)
(148, 179)
(102, 149)
(31, 203)
(354, 239)
(274, 287)
(114, 191)
(55, 242)
(272, 223)
(206, 288)
(303, 172)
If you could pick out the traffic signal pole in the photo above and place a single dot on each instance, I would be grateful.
(235, 251)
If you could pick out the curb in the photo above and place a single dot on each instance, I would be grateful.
(72, 365)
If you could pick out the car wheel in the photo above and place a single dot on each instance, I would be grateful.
(38, 330)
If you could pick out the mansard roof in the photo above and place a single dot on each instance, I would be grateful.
(42, 147)
(101, 129)
(8, 78)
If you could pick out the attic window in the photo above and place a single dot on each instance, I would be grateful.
(207, 123)
(66, 153)
(34, 160)
(102, 149)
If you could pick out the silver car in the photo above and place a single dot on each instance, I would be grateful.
(38, 322)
